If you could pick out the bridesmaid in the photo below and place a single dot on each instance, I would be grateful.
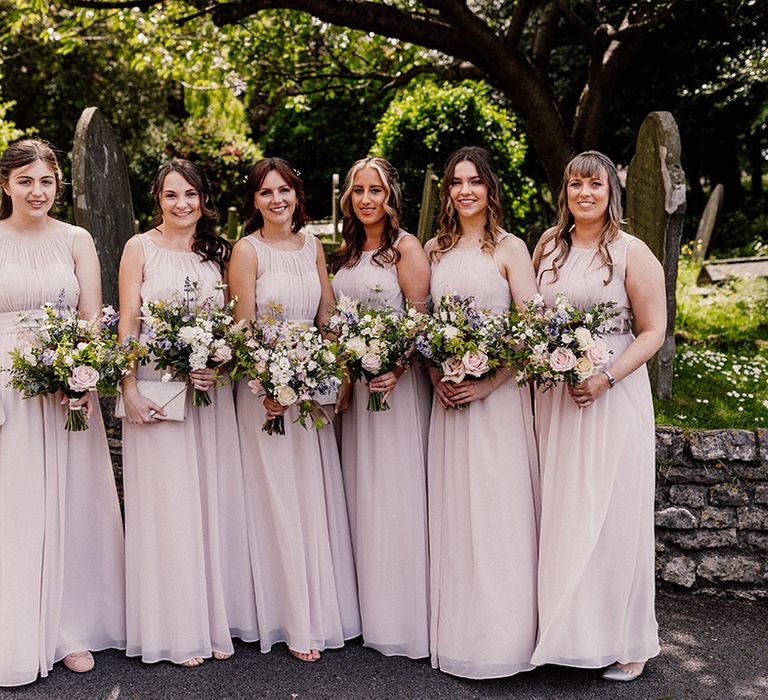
(300, 544)
(61, 539)
(482, 459)
(383, 455)
(189, 586)
(596, 441)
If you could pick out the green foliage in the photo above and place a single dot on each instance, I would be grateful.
(428, 121)
(321, 135)
(729, 316)
(9, 132)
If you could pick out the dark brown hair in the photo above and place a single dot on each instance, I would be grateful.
(253, 218)
(22, 153)
(353, 230)
(207, 243)
(586, 164)
(448, 224)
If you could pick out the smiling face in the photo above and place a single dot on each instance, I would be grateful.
(368, 197)
(275, 200)
(588, 197)
(179, 202)
(469, 194)
(32, 189)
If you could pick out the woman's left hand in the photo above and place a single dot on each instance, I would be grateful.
(202, 379)
(84, 403)
(586, 393)
(384, 383)
(471, 390)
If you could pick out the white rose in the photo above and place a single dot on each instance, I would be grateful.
(84, 378)
(357, 346)
(286, 396)
(371, 362)
(453, 370)
(475, 363)
(584, 368)
(583, 338)
(599, 353)
(187, 334)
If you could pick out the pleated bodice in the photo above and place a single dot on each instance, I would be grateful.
(36, 271)
(287, 279)
(165, 272)
(371, 283)
(471, 272)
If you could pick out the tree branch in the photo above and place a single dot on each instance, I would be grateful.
(544, 38)
(586, 34)
(112, 4)
(520, 16)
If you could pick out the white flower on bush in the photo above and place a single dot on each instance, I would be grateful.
(84, 378)
(584, 338)
(475, 363)
(371, 362)
(453, 370)
(286, 396)
(562, 360)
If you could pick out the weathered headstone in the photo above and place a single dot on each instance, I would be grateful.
(427, 212)
(102, 194)
(732, 268)
(707, 224)
(655, 211)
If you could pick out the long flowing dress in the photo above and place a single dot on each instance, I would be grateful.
(189, 587)
(303, 569)
(482, 507)
(383, 461)
(61, 538)
(596, 562)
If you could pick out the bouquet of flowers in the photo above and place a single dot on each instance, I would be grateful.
(373, 341)
(289, 362)
(58, 351)
(561, 343)
(464, 341)
(185, 335)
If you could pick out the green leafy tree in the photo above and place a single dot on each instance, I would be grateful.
(428, 121)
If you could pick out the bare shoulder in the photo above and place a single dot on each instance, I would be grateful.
(318, 247)
(640, 255)
(243, 249)
(429, 246)
(513, 245)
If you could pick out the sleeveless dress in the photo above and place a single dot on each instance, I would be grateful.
(596, 562)
(383, 461)
(303, 569)
(189, 586)
(61, 538)
(482, 507)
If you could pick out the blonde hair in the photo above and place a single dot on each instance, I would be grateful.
(353, 231)
(448, 224)
(586, 164)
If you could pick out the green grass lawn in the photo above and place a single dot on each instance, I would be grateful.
(721, 367)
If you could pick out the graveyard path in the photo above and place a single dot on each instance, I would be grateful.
(711, 648)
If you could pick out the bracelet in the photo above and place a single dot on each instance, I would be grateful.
(611, 378)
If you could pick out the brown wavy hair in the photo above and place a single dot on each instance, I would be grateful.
(353, 231)
(448, 224)
(207, 243)
(22, 153)
(253, 218)
(586, 164)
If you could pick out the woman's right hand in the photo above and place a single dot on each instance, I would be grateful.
(138, 408)
(443, 390)
(274, 409)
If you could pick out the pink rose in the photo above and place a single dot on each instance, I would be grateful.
(475, 363)
(453, 370)
(562, 360)
(255, 386)
(598, 353)
(84, 378)
(370, 362)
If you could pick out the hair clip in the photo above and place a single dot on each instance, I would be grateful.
(296, 172)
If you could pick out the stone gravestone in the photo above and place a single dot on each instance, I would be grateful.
(707, 224)
(655, 210)
(102, 194)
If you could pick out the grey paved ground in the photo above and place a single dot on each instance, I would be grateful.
(711, 648)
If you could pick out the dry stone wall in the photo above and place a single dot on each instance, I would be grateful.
(712, 511)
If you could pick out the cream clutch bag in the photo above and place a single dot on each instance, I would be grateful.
(170, 396)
